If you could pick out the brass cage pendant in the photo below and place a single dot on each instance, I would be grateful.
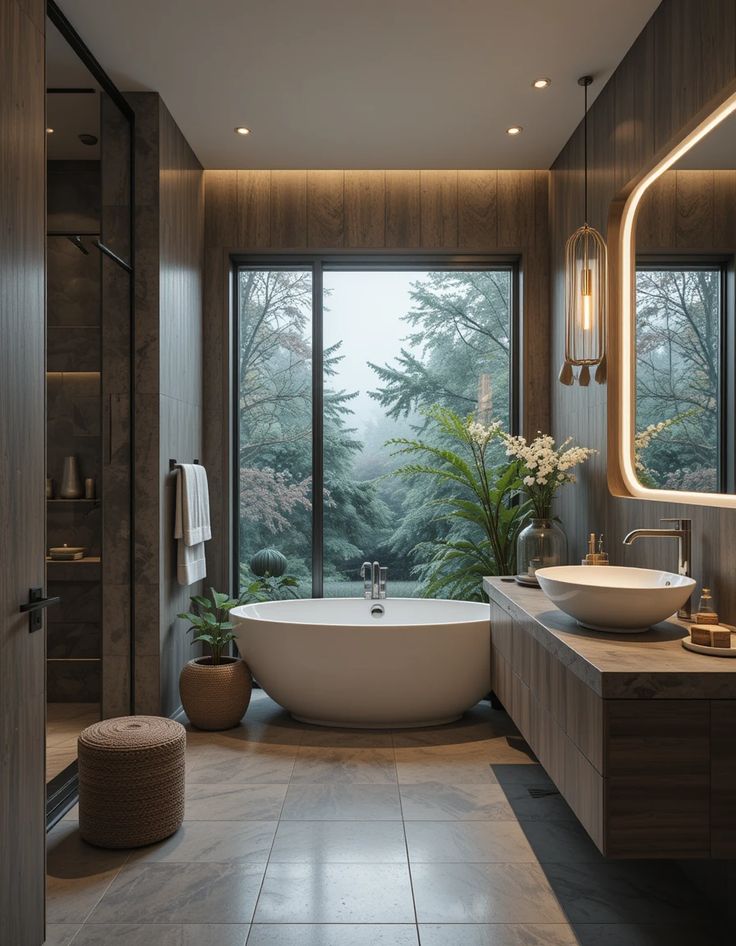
(586, 289)
(585, 297)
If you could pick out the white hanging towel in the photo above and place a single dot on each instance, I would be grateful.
(192, 522)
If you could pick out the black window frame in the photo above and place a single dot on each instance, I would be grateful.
(319, 263)
(725, 264)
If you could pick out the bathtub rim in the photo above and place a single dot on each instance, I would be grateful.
(322, 623)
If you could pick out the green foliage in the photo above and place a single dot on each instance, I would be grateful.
(678, 342)
(456, 338)
(267, 587)
(481, 515)
(209, 620)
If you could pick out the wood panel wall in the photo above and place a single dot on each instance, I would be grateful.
(22, 469)
(451, 211)
(683, 61)
(169, 266)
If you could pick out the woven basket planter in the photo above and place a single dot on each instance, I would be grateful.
(131, 781)
(215, 697)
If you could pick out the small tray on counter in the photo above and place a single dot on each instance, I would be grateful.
(711, 651)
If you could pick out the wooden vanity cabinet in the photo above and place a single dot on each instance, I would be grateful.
(647, 775)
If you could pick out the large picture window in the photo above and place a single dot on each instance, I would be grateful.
(335, 358)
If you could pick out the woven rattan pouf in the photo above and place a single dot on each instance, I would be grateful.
(131, 781)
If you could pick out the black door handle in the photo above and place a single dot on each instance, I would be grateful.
(34, 606)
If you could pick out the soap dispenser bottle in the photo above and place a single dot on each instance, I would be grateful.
(599, 557)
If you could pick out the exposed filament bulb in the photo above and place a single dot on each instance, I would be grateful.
(586, 289)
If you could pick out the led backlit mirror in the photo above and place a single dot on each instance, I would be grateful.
(677, 421)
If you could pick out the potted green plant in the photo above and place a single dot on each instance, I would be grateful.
(215, 688)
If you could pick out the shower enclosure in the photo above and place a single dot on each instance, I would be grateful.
(89, 137)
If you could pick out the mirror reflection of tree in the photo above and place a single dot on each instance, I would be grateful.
(678, 313)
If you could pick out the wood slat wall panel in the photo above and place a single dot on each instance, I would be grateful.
(289, 209)
(439, 209)
(253, 208)
(478, 210)
(403, 209)
(694, 58)
(515, 210)
(365, 209)
(22, 471)
(325, 208)
(352, 210)
(684, 57)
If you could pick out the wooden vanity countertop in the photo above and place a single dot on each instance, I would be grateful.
(654, 665)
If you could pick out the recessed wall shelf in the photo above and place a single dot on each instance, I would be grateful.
(67, 502)
(87, 560)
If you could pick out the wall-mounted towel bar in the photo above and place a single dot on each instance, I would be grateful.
(173, 464)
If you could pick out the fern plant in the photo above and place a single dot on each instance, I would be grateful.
(483, 510)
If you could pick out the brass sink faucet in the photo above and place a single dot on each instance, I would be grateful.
(683, 533)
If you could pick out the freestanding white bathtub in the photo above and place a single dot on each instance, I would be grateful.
(394, 663)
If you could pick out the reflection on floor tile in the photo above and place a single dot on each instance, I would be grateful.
(162, 934)
(437, 801)
(317, 934)
(335, 893)
(483, 893)
(213, 842)
(339, 802)
(232, 802)
(181, 893)
(308, 833)
(467, 842)
(339, 842)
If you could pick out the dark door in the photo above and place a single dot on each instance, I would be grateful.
(22, 440)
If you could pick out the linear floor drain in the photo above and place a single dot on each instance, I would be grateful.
(542, 792)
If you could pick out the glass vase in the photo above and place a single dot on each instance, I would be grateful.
(540, 544)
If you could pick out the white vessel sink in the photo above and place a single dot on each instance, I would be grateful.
(615, 599)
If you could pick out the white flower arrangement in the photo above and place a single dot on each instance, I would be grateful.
(543, 468)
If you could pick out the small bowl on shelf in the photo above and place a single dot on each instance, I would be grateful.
(66, 553)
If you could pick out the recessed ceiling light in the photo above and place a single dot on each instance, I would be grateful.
(541, 83)
(49, 131)
(514, 130)
(242, 130)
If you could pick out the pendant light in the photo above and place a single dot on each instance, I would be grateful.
(586, 289)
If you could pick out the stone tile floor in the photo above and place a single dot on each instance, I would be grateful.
(296, 834)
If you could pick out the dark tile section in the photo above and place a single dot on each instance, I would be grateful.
(73, 681)
(73, 196)
(73, 282)
(72, 640)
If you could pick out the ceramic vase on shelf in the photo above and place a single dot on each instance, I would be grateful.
(71, 482)
(541, 544)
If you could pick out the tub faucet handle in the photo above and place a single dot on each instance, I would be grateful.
(382, 581)
(366, 575)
